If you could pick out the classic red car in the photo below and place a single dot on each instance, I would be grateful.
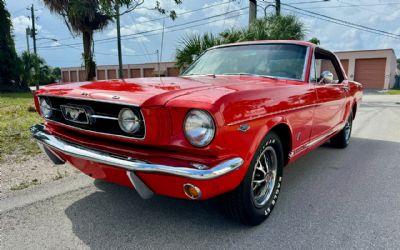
(226, 127)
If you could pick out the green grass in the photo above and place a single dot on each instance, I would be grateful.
(393, 91)
(15, 121)
(25, 184)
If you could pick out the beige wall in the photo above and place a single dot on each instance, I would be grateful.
(130, 71)
(390, 69)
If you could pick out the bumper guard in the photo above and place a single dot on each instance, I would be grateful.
(51, 142)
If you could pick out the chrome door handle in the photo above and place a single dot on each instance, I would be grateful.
(345, 88)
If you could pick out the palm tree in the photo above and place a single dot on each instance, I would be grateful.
(193, 46)
(273, 27)
(82, 17)
(276, 27)
(315, 41)
(28, 63)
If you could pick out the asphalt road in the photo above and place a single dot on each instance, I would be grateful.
(331, 199)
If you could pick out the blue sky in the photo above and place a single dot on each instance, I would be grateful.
(378, 14)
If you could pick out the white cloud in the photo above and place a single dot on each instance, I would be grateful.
(20, 23)
(138, 25)
(226, 21)
(125, 50)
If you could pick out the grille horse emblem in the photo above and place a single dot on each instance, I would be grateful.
(77, 114)
(74, 113)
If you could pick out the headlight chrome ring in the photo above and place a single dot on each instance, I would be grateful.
(199, 128)
(45, 107)
(128, 121)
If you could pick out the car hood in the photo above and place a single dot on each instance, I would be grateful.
(151, 91)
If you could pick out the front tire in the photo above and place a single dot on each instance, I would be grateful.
(342, 139)
(252, 202)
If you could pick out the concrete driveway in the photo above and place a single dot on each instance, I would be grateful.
(331, 199)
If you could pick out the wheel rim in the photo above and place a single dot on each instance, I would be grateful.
(347, 129)
(264, 176)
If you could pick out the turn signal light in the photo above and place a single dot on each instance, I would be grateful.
(192, 191)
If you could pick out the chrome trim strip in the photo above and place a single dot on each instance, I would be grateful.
(100, 133)
(313, 142)
(42, 136)
(104, 117)
(272, 113)
(90, 99)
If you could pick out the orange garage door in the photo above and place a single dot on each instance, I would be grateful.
(370, 72)
(345, 64)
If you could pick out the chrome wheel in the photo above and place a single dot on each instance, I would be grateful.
(347, 129)
(264, 176)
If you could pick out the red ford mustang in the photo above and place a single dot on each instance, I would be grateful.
(226, 127)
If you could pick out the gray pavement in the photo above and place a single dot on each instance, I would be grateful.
(331, 199)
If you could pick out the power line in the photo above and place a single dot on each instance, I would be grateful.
(179, 14)
(149, 31)
(353, 5)
(347, 23)
(331, 21)
(156, 34)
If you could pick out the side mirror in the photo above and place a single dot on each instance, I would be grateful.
(194, 57)
(326, 77)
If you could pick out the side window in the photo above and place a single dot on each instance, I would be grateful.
(313, 72)
(327, 65)
(326, 62)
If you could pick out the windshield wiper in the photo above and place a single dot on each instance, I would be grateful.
(249, 74)
(210, 75)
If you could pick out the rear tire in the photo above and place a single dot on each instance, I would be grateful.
(342, 139)
(252, 202)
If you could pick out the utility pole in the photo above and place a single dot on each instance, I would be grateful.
(278, 7)
(252, 10)
(33, 34)
(120, 69)
(28, 33)
(158, 63)
(33, 30)
(162, 41)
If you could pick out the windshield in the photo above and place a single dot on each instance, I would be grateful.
(272, 60)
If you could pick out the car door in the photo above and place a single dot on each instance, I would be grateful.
(331, 94)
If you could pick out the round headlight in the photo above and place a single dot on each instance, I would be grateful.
(128, 121)
(199, 128)
(45, 107)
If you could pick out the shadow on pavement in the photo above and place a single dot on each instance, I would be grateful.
(330, 197)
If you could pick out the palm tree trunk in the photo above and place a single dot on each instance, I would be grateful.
(90, 65)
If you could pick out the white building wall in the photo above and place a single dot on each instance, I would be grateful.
(390, 69)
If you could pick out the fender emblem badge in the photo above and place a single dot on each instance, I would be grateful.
(244, 127)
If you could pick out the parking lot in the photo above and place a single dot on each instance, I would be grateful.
(331, 198)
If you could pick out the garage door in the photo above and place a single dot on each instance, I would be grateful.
(112, 74)
(370, 72)
(345, 64)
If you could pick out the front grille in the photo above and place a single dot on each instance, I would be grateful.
(104, 116)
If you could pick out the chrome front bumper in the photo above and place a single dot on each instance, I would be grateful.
(50, 142)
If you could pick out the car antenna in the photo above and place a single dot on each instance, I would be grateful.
(161, 48)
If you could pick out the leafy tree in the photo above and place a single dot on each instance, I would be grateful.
(56, 73)
(272, 27)
(82, 17)
(28, 75)
(87, 16)
(398, 63)
(276, 27)
(315, 41)
(8, 56)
